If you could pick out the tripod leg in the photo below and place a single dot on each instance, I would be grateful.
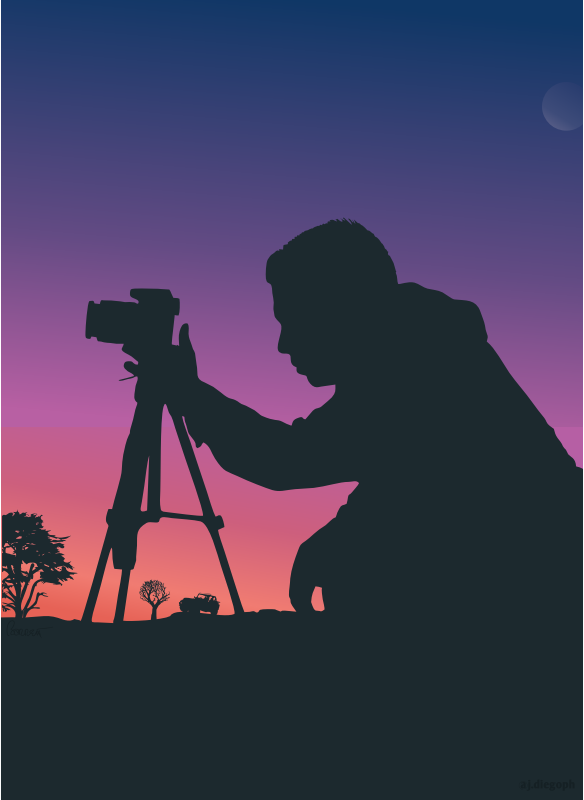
(122, 595)
(143, 445)
(97, 579)
(206, 507)
(125, 517)
(237, 606)
(145, 428)
(154, 468)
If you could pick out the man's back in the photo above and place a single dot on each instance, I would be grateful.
(464, 533)
(459, 474)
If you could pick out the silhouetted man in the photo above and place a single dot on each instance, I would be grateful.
(462, 541)
(466, 496)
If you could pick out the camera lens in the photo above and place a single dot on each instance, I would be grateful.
(112, 321)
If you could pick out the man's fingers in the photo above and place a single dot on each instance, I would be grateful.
(131, 367)
(186, 346)
(301, 596)
(302, 583)
(183, 337)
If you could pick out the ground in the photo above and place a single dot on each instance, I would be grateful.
(269, 704)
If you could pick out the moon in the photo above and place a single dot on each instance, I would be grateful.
(562, 106)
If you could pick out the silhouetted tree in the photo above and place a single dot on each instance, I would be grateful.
(25, 541)
(153, 592)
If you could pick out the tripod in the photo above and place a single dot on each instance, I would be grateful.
(125, 518)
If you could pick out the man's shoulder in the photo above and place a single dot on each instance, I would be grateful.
(436, 318)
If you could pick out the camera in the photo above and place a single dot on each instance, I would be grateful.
(142, 326)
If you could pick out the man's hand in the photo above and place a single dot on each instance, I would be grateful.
(302, 582)
(308, 570)
(171, 375)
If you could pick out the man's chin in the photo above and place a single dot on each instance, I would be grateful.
(320, 380)
(316, 378)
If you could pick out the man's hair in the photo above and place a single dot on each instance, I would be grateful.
(340, 254)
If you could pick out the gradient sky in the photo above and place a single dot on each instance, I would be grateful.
(176, 145)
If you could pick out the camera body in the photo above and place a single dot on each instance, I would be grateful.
(140, 327)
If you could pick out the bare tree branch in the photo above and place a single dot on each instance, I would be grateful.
(153, 592)
(27, 575)
(26, 607)
(39, 594)
(163, 599)
(9, 591)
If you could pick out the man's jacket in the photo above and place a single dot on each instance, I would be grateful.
(433, 412)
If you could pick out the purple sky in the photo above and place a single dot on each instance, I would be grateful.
(179, 148)
(176, 148)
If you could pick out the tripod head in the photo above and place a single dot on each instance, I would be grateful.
(140, 327)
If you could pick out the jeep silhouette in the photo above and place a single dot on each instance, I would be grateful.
(207, 603)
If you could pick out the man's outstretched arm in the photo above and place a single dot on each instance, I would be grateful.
(265, 451)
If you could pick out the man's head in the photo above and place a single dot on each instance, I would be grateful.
(331, 285)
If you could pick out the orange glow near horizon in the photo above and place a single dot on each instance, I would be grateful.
(70, 476)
